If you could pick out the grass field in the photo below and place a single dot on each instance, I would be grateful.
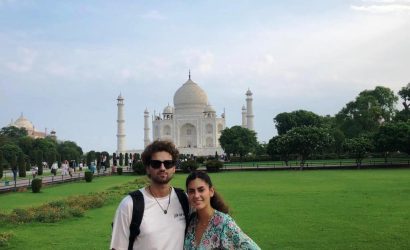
(338, 209)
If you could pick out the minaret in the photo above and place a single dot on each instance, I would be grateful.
(249, 115)
(146, 128)
(120, 125)
(244, 125)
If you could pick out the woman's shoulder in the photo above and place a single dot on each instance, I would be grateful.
(223, 218)
(223, 215)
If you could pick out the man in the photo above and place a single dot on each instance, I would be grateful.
(163, 220)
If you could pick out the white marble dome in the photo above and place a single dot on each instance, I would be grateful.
(168, 110)
(209, 108)
(23, 122)
(190, 95)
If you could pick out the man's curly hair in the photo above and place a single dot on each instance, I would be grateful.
(158, 146)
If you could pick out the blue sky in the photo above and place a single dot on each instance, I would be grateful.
(63, 63)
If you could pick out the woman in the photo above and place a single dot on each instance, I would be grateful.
(211, 227)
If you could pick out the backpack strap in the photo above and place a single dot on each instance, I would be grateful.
(137, 213)
(183, 199)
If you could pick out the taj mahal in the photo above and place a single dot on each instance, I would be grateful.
(192, 123)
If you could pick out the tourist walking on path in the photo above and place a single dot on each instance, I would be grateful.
(164, 208)
(210, 226)
(54, 168)
(34, 171)
(64, 168)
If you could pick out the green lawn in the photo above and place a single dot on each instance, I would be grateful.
(337, 209)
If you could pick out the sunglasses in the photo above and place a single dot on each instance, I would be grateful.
(157, 164)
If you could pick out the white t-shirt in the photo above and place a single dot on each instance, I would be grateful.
(157, 230)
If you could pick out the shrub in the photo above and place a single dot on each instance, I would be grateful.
(119, 171)
(200, 159)
(4, 238)
(49, 214)
(213, 166)
(189, 166)
(76, 212)
(36, 184)
(88, 176)
(138, 167)
(20, 215)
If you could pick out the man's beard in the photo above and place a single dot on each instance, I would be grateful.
(157, 180)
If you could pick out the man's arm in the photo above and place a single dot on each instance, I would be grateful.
(121, 225)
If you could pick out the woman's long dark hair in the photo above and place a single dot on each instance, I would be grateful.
(216, 201)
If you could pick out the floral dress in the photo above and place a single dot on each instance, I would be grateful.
(221, 233)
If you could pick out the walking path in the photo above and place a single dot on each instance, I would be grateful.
(23, 183)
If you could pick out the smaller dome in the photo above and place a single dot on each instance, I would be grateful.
(243, 108)
(209, 109)
(23, 122)
(248, 92)
(120, 97)
(168, 110)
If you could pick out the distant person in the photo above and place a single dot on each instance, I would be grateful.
(54, 168)
(164, 208)
(70, 171)
(14, 170)
(210, 226)
(92, 167)
(64, 168)
(34, 171)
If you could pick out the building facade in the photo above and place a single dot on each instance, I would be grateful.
(191, 123)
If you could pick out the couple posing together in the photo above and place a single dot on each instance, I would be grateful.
(162, 218)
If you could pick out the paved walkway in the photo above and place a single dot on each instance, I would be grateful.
(25, 183)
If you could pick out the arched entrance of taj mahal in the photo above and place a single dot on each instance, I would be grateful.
(188, 136)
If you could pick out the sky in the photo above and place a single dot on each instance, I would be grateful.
(64, 63)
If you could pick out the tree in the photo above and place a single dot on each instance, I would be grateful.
(339, 139)
(404, 115)
(126, 159)
(121, 160)
(10, 150)
(1, 164)
(21, 165)
(307, 140)
(49, 149)
(98, 157)
(238, 140)
(286, 121)
(260, 149)
(13, 132)
(26, 143)
(393, 137)
(358, 147)
(38, 157)
(280, 145)
(90, 157)
(69, 150)
(13, 164)
(106, 159)
(114, 159)
(365, 114)
(404, 93)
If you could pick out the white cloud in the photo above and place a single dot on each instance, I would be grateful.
(153, 15)
(387, 1)
(383, 6)
(202, 60)
(26, 62)
(57, 69)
